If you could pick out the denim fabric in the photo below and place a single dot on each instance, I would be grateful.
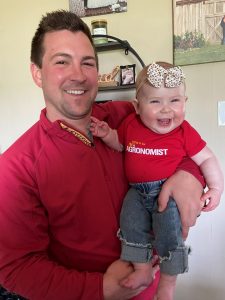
(143, 228)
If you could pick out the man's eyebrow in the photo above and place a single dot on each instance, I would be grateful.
(66, 55)
(62, 54)
(89, 57)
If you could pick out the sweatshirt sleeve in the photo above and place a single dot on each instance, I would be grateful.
(113, 112)
(25, 267)
(188, 165)
(193, 144)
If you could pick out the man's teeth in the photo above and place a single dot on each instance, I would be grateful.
(74, 92)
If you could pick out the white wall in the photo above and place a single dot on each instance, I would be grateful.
(148, 27)
(205, 84)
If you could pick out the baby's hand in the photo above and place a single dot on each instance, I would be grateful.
(99, 128)
(211, 199)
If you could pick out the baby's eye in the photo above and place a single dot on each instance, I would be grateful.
(153, 101)
(175, 100)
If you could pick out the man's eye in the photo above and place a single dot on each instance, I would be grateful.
(90, 64)
(61, 62)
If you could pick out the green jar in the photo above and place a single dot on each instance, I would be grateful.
(99, 27)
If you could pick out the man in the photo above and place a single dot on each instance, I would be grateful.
(61, 190)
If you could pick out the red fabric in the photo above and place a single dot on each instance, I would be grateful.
(190, 166)
(150, 156)
(58, 224)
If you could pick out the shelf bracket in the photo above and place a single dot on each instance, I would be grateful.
(123, 45)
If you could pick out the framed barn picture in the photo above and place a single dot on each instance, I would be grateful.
(198, 31)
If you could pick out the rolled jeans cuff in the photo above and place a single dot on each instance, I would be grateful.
(177, 263)
(136, 254)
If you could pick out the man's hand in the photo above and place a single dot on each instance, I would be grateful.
(116, 272)
(186, 190)
(112, 290)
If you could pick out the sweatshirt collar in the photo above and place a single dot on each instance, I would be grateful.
(61, 129)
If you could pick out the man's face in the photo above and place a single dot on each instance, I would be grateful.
(68, 77)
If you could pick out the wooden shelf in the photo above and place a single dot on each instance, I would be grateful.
(115, 43)
(118, 87)
(111, 46)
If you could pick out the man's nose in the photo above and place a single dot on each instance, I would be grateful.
(77, 73)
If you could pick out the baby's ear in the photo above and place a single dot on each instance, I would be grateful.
(136, 106)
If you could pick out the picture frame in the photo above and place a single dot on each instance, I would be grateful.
(127, 75)
(87, 8)
(198, 31)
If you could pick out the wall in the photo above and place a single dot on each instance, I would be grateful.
(148, 27)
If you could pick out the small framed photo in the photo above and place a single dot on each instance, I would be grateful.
(127, 74)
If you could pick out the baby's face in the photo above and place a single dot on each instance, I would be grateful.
(161, 109)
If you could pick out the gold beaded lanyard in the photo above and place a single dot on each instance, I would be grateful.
(77, 134)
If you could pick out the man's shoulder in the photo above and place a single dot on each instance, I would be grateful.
(110, 106)
(112, 112)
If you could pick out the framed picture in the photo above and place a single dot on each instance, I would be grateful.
(85, 8)
(198, 31)
(127, 74)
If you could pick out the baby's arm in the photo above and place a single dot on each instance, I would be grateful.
(213, 174)
(108, 135)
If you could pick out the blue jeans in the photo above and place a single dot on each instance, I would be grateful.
(143, 228)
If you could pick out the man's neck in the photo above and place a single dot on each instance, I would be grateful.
(82, 124)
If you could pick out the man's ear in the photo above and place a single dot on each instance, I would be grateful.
(36, 74)
(136, 106)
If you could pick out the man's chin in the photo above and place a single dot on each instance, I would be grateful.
(79, 115)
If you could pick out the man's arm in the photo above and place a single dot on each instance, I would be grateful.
(186, 188)
(113, 112)
(25, 266)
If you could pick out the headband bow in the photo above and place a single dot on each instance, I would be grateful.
(173, 77)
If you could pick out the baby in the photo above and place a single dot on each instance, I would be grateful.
(155, 139)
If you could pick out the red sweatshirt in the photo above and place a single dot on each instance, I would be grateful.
(59, 210)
